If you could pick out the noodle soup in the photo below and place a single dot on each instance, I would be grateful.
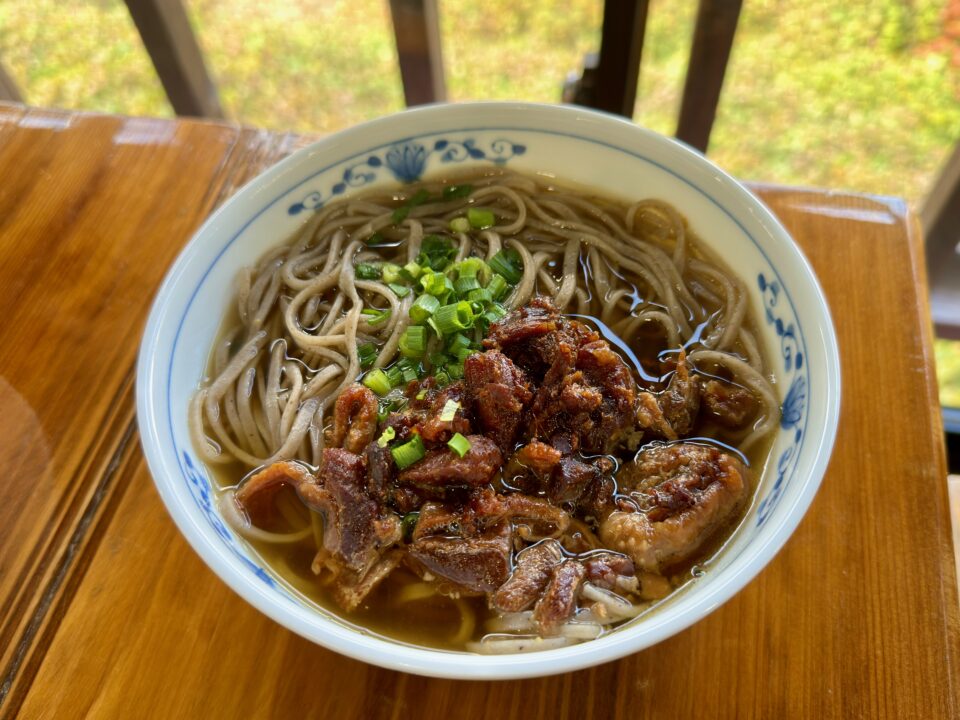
(487, 413)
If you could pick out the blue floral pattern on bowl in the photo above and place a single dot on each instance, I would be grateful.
(407, 162)
(795, 404)
(203, 495)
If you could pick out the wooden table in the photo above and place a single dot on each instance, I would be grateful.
(106, 612)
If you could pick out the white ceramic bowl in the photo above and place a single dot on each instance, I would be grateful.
(588, 148)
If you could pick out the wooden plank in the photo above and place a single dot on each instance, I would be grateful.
(8, 88)
(857, 616)
(165, 29)
(67, 567)
(940, 216)
(92, 211)
(416, 28)
(614, 85)
(712, 40)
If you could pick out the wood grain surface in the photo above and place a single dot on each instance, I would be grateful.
(85, 221)
(106, 612)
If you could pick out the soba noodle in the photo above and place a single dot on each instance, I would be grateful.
(299, 308)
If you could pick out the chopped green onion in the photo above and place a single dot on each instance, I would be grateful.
(489, 319)
(366, 271)
(481, 324)
(391, 272)
(468, 267)
(441, 377)
(409, 370)
(438, 359)
(498, 310)
(388, 405)
(464, 285)
(480, 295)
(459, 444)
(367, 353)
(463, 353)
(409, 523)
(411, 271)
(480, 218)
(495, 313)
(420, 197)
(458, 341)
(401, 291)
(408, 453)
(473, 267)
(435, 244)
(386, 436)
(498, 287)
(455, 371)
(509, 264)
(460, 225)
(455, 192)
(401, 213)
(424, 307)
(436, 252)
(374, 316)
(422, 394)
(394, 375)
(449, 411)
(413, 342)
(377, 381)
(436, 284)
(453, 317)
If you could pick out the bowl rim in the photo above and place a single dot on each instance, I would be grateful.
(458, 665)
